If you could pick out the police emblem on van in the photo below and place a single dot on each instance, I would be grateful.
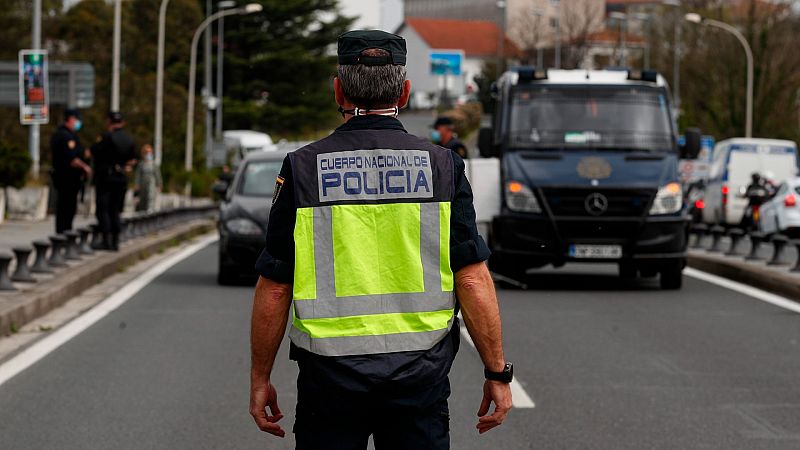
(374, 175)
(594, 168)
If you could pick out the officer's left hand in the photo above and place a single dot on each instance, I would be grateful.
(262, 397)
(500, 394)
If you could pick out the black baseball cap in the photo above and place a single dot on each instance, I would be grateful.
(71, 112)
(353, 43)
(115, 117)
(443, 121)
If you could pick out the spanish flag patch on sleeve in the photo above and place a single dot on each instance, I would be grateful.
(278, 186)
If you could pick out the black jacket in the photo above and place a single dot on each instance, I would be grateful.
(110, 155)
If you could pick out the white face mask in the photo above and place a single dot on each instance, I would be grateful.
(148, 157)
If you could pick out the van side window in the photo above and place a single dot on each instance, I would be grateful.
(718, 166)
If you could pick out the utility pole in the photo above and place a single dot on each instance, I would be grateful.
(116, 57)
(36, 44)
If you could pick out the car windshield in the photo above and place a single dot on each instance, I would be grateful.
(258, 178)
(624, 118)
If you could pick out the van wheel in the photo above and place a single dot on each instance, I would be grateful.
(672, 275)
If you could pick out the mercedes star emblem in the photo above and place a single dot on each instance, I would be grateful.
(596, 204)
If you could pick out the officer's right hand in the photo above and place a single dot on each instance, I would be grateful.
(261, 397)
(500, 394)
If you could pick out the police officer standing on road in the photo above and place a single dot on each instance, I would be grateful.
(371, 239)
(69, 169)
(444, 134)
(114, 156)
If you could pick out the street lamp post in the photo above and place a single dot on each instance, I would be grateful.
(558, 35)
(646, 19)
(501, 39)
(698, 19)
(116, 58)
(158, 136)
(225, 4)
(676, 55)
(623, 24)
(247, 9)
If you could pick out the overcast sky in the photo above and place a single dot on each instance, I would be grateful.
(385, 14)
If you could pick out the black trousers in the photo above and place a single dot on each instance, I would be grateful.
(66, 203)
(108, 206)
(337, 419)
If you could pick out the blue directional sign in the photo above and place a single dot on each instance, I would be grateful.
(446, 62)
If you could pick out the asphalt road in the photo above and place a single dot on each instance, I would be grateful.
(610, 365)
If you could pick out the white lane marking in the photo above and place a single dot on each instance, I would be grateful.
(39, 350)
(750, 291)
(519, 397)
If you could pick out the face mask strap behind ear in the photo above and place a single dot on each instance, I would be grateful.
(392, 112)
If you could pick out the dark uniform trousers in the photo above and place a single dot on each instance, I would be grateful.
(330, 418)
(108, 205)
(67, 189)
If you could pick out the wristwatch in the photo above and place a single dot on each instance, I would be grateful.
(504, 377)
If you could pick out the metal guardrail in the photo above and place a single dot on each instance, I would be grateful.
(710, 239)
(53, 253)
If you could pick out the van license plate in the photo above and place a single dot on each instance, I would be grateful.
(595, 251)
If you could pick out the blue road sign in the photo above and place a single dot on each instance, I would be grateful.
(446, 62)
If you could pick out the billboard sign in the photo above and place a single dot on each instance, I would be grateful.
(34, 95)
(446, 62)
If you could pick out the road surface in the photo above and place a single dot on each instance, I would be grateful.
(609, 364)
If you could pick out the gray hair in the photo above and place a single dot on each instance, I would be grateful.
(372, 87)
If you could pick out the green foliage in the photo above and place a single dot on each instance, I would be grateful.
(280, 72)
(278, 67)
(14, 165)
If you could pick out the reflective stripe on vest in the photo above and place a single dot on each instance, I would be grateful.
(372, 278)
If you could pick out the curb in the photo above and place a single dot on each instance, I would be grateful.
(22, 307)
(781, 283)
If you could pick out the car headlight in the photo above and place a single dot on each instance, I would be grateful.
(520, 198)
(669, 200)
(243, 226)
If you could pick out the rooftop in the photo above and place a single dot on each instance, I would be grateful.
(478, 38)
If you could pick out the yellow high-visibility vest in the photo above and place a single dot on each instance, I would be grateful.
(372, 249)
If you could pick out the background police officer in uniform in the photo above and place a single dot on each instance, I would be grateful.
(69, 169)
(114, 156)
(371, 239)
(444, 135)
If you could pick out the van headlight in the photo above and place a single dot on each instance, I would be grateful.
(669, 200)
(243, 226)
(520, 198)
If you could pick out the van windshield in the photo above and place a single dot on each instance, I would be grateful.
(597, 117)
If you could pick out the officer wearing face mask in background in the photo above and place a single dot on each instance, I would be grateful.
(444, 134)
(69, 170)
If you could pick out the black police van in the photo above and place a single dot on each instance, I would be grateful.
(589, 166)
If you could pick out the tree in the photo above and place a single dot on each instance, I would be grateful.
(280, 64)
(579, 19)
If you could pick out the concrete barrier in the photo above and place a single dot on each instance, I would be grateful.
(19, 308)
(28, 203)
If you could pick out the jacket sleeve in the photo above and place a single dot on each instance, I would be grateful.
(277, 259)
(466, 244)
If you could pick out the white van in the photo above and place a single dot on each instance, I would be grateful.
(239, 143)
(734, 161)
